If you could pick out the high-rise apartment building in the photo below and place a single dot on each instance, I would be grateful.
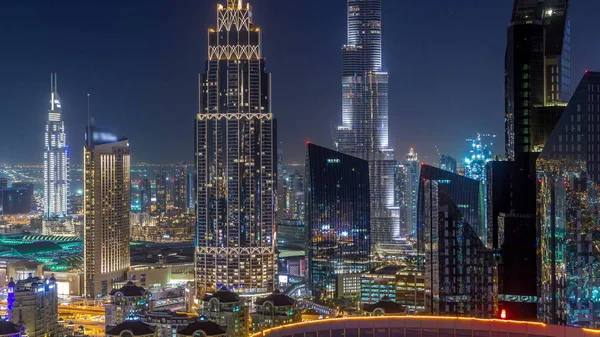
(236, 159)
(56, 158)
(337, 220)
(538, 73)
(413, 170)
(180, 187)
(568, 174)
(161, 192)
(364, 129)
(106, 204)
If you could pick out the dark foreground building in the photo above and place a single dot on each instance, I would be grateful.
(460, 272)
(337, 218)
(568, 176)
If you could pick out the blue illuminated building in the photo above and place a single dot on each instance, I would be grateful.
(480, 155)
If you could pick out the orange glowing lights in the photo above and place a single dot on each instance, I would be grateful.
(503, 314)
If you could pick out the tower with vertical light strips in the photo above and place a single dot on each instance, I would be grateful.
(56, 158)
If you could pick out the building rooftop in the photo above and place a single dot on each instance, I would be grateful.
(129, 290)
(277, 298)
(202, 324)
(387, 270)
(8, 328)
(386, 305)
(137, 328)
(224, 295)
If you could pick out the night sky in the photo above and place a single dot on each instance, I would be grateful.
(140, 59)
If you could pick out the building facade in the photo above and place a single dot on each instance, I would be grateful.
(337, 219)
(180, 187)
(567, 186)
(165, 322)
(56, 158)
(448, 163)
(236, 159)
(227, 309)
(161, 192)
(106, 203)
(413, 170)
(125, 302)
(460, 272)
(274, 310)
(538, 73)
(33, 304)
(364, 129)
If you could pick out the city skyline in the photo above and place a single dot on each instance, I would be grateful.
(173, 110)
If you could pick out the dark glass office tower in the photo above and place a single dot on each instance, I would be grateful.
(236, 160)
(460, 272)
(337, 218)
(364, 129)
(161, 192)
(538, 72)
(568, 192)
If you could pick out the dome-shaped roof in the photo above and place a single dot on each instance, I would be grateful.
(137, 328)
(8, 328)
(208, 327)
(129, 290)
(387, 305)
(224, 295)
(278, 299)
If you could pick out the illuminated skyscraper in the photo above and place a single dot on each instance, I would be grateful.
(538, 73)
(568, 176)
(161, 192)
(364, 129)
(479, 155)
(56, 159)
(337, 220)
(413, 170)
(180, 187)
(235, 160)
(106, 203)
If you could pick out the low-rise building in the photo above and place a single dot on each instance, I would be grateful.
(274, 310)
(128, 301)
(226, 309)
(131, 328)
(33, 304)
(384, 307)
(166, 322)
(402, 284)
(203, 328)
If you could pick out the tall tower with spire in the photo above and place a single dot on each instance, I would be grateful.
(56, 158)
(236, 160)
(364, 129)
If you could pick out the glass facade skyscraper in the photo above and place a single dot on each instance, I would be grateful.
(364, 129)
(460, 272)
(337, 218)
(538, 72)
(56, 159)
(235, 160)
(568, 172)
